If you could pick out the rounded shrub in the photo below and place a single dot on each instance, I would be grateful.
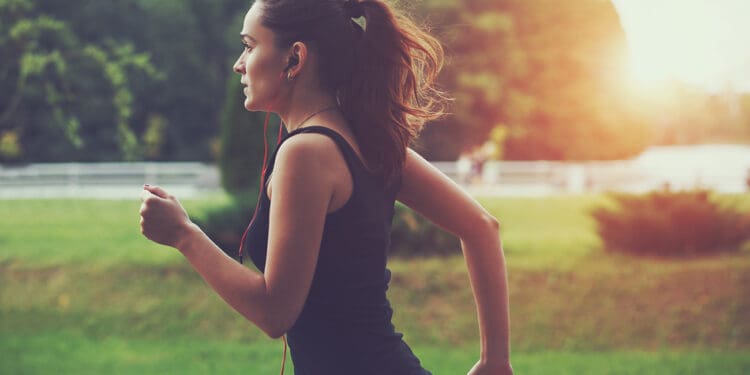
(225, 224)
(414, 236)
(667, 223)
(241, 147)
(240, 160)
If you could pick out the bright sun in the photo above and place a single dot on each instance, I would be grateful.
(703, 43)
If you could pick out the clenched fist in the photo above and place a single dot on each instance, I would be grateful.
(163, 219)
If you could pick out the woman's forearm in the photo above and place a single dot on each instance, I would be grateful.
(242, 288)
(487, 273)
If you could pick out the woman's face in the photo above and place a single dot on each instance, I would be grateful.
(261, 64)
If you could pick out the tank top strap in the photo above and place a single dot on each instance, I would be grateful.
(350, 155)
(356, 165)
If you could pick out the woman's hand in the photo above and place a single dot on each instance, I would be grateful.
(163, 220)
(491, 368)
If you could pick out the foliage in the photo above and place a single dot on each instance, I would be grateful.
(66, 98)
(696, 116)
(414, 236)
(143, 79)
(505, 68)
(550, 74)
(241, 148)
(75, 84)
(665, 223)
(190, 41)
(226, 223)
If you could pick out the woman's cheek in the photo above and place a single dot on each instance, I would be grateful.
(263, 80)
(254, 95)
(260, 93)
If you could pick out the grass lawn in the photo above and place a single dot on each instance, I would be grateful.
(82, 292)
(72, 353)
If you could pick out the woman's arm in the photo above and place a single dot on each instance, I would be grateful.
(436, 197)
(272, 300)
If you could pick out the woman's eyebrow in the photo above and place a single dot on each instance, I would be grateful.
(249, 37)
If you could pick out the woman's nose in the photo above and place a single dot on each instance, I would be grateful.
(239, 66)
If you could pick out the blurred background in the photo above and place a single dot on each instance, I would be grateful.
(562, 111)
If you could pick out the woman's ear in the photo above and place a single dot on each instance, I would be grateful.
(297, 59)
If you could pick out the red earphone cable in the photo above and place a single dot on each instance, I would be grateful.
(262, 178)
(283, 360)
(260, 191)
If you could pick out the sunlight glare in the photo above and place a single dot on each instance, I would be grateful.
(703, 43)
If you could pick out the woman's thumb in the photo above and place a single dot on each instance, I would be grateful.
(156, 190)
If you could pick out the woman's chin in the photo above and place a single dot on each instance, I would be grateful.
(250, 106)
(256, 106)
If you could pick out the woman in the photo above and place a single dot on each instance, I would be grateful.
(352, 99)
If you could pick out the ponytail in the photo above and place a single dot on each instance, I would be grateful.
(391, 93)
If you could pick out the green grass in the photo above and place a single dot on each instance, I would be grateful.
(56, 232)
(81, 291)
(49, 232)
(72, 353)
(542, 233)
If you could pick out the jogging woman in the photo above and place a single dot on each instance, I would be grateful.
(352, 96)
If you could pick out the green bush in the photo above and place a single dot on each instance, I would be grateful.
(665, 223)
(240, 164)
(225, 224)
(414, 236)
(241, 150)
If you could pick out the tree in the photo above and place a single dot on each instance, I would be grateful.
(548, 72)
(170, 104)
(241, 147)
(683, 114)
(63, 98)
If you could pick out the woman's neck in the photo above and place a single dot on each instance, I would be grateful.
(306, 107)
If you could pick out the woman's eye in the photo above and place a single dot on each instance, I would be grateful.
(246, 47)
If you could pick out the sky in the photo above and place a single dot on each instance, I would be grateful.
(705, 43)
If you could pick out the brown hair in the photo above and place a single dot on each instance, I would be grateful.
(383, 74)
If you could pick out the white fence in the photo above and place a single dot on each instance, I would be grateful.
(521, 178)
(724, 168)
(105, 180)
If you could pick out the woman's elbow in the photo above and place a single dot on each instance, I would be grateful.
(274, 330)
(276, 325)
(275, 333)
(493, 223)
(487, 226)
(278, 316)
(490, 225)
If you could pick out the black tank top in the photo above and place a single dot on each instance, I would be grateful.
(345, 325)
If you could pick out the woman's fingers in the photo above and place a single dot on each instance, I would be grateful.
(156, 190)
(145, 194)
(163, 219)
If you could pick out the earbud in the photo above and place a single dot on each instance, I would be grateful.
(293, 60)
